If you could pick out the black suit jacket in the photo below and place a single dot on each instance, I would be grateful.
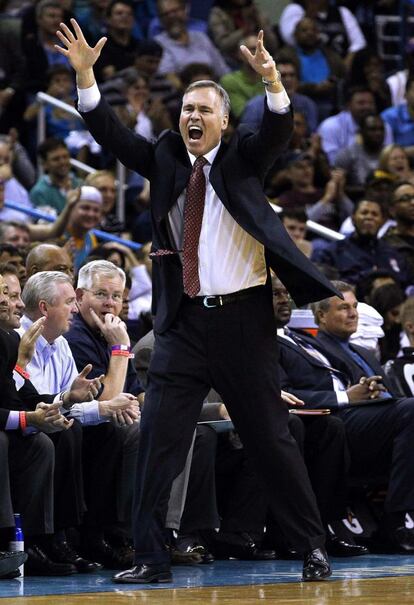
(306, 377)
(10, 399)
(236, 175)
(341, 360)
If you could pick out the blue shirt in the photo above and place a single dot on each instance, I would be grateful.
(402, 124)
(89, 346)
(53, 369)
(314, 68)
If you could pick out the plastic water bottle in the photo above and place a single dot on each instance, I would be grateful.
(17, 544)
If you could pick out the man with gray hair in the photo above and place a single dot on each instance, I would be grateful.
(98, 336)
(50, 295)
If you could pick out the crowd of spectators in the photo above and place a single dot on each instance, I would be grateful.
(75, 312)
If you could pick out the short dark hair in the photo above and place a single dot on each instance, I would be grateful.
(323, 305)
(353, 90)
(48, 145)
(8, 269)
(58, 70)
(396, 186)
(112, 4)
(297, 214)
(370, 200)
(192, 69)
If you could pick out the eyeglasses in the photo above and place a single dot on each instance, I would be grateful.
(405, 198)
(102, 295)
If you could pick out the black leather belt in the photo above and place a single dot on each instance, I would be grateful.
(212, 301)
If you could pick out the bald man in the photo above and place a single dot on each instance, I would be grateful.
(48, 257)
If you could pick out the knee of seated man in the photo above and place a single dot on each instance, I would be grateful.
(405, 410)
(45, 448)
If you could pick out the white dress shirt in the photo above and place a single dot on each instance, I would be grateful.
(230, 259)
(53, 369)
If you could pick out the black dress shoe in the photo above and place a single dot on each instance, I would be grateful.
(192, 545)
(240, 546)
(402, 539)
(339, 548)
(39, 564)
(61, 552)
(316, 565)
(144, 574)
(101, 551)
(10, 562)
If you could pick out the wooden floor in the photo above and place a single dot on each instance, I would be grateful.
(379, 591)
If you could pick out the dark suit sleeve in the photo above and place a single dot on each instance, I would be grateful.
(4, 415)
(263, 146)
(304, 380)
(135, 152)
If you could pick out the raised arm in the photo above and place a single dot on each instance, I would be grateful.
(81, 56)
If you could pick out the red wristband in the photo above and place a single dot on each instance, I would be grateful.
(119, 353)
(22, 372)
(23, 420)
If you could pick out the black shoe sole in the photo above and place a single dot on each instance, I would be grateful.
(319, 579)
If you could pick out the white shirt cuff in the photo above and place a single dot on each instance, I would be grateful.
(18, 380)
(12, 421)
(342, 397)
(278, 102)
(87, 413)
(88, 98)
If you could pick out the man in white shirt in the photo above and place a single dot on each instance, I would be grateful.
(211, 297)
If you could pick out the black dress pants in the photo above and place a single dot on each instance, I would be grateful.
(26, 481)
(380, 438)
(232, 349)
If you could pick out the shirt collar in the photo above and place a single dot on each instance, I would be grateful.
(210, 156)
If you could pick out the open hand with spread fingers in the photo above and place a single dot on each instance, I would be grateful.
(81, 56)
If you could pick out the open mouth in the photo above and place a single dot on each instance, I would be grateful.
(195, 133)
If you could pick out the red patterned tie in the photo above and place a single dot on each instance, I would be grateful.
(193, 217)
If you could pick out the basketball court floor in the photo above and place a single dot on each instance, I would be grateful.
(368, 580)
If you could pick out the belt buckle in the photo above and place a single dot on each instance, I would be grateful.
(208, 306)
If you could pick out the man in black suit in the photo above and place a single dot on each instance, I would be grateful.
(324, 442)
(212, 302)
(331, 372)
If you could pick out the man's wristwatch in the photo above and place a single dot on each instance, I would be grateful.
(278, 80)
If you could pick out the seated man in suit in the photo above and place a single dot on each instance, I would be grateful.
(324, 446)
(328, 371)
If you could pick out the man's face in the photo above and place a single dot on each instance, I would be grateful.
(289, 77)
(17, 261)
(49, 20)
(281, 303)
(403, 204)
(106, 185)
(57, 163)
(16, 305)
(60, 314)
(301, 173)
(307, 33)
(368, 218)
(125, 305)
(86, 215)
(173, 17)
(295, 228)
(4, 302)
(147, 64)
(373, 132)
(361, 104)
(5, 153)
(121, 17)
(202, 121)
(19, 238)
(341, 318)
(56, 259)
(104, 297)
